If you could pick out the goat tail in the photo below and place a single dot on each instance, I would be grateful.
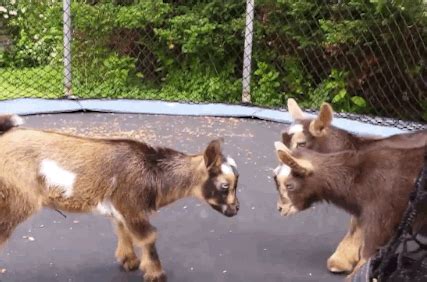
(9, 121)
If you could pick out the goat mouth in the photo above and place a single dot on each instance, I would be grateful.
(287, 210)
(228, 211)
(229, 214)
(224, 210)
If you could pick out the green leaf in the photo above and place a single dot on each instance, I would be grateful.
(358, 101)
(340, 96)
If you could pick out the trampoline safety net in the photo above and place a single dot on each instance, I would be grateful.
(404, 258)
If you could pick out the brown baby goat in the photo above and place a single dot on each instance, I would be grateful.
(318, 134)
(124, 179)
(372, 184)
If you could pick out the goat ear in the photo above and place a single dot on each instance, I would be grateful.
(281, 147)
(295, 110)
(319, 125)
(302, 167)
(213, 153)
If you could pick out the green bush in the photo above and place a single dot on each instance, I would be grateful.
(365, 56)
(171, 51)
(344, 52)
(36, 29)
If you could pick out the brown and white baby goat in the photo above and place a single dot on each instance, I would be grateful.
(371, 184)
(318, 134)
(123, 179)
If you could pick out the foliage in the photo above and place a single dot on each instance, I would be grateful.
(36, 30)
(171, 51)
(266, 91)
(365, 56)
(334, 89)
(314, 50)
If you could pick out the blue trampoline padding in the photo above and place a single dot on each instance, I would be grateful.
(41, 106)
(167, 108)
(347, 124)
(31, 106)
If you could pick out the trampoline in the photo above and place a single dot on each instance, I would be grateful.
(195, 243)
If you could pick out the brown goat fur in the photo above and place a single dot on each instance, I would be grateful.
(372, 184)
(318, 134)
(124, 179)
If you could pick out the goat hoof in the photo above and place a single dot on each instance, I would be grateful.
(129, 263)
(158, 277)
(336, 265)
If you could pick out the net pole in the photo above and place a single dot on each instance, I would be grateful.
(247, 53)
(68, 93)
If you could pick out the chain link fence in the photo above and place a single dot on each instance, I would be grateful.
(366, 57)
(363, 56)
(31, 49)
(167, 50)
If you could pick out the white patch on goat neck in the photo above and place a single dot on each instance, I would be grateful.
(106, 208)
(282, 170)
(231, 162)
(16, 120)
(56, 176)
(296, 128)
(276, 170)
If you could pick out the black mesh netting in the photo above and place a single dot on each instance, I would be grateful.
(405, 256)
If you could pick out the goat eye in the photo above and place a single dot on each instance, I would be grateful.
(290, 187)
(301, 144)
(225, 186)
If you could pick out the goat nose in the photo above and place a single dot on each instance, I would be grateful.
(237, 207)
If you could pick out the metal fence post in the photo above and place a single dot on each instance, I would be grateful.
(247, 53)
(67, 49)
